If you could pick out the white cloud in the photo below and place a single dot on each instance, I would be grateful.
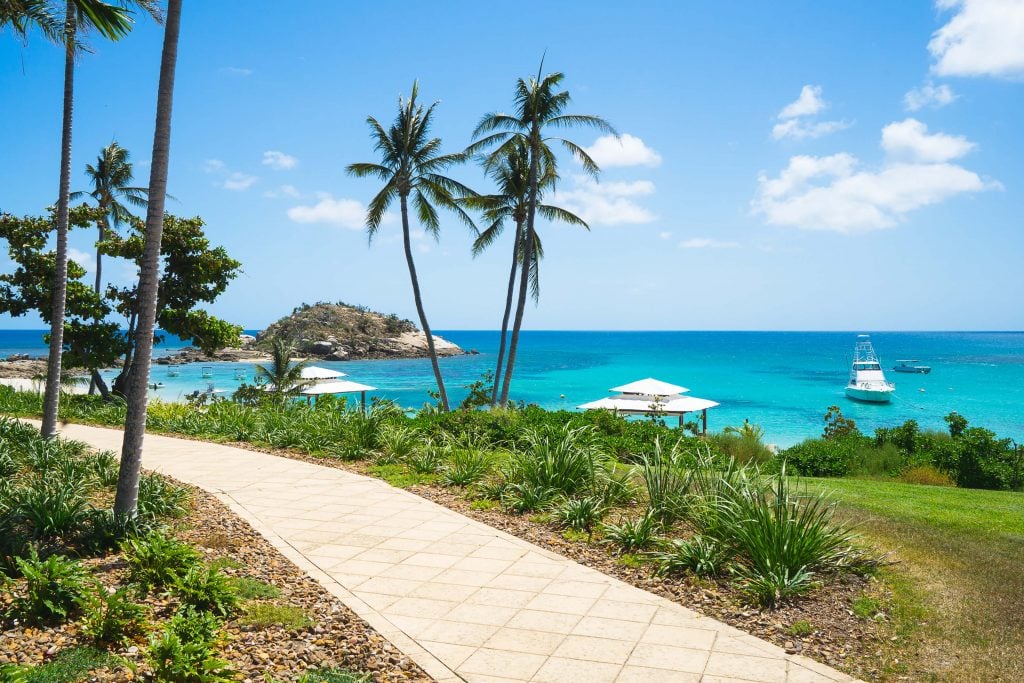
(984, 38)
(929, 95)
(809, 103)
(665, 235)
(279, 160)
(213, 166)
(707, 243)
(235, 71)
(238, 181)
(831, 193)
(346, 213)
(793, 119)
(910, 139)
(799, 130)
(609, 203)
(626, 150)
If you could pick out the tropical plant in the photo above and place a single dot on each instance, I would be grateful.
(176, 660)
(206, 589)
(700, 555)
(282, 377)
(666, 481)
(578, 514)
(412, 169)
(629, 535)
(567, 460)
(511, 202)
(52, 589)
(539, 108)
(157, 560)
(160, 498)
(466, 466)
(111, 618)
(112, 22)
(21, 15)
(126, 499)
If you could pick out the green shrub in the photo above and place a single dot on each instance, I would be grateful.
(699, 555)
(772, 585)
(466, 466)
(52, 589)
(251, 589)
(106, 466)
(111, 618)
(50, 511)
(194, 626)
(666, 481)
(427, 460)
(832, 457)
(206, 590)
(800, 628)
(578, 514)
(397, 443)
(523, 497)
(104, 530)
(566, 460)
(632, 534)
(160, 498)
(878, 461)
(158, 560)
(176, 661)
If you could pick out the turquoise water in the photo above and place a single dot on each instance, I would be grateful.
(783, 381)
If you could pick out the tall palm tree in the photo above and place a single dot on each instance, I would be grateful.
(283, 377)
(539, 108)
(411, 166)
(512, 202)
(111, 179)
(112, 22)
(22, 15)
(127, 498)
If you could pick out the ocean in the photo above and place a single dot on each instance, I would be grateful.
(783, 381)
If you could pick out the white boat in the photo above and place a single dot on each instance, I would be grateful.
(173, 370)
(207, 372)
(911, 365)
(867, 381)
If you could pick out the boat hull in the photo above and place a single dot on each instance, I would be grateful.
(869, 395)
(913, 370)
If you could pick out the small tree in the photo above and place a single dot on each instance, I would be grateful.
(281, 377)
(837, 426)
(957, 424)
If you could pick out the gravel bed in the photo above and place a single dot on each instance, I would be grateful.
(334, 637)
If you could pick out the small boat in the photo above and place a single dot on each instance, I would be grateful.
(867, 381)
(910, 365)
(207, 371)
(173, 370)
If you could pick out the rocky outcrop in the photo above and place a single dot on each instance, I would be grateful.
(343, 332)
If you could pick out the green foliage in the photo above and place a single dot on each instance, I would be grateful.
(397, 443)
(478, 393)
(52, 588)
(800, 628)
(926, 475)
(742, 444)
(111, 618)
(578, 514)
(158, 560)
(263, 614)
(957, 424)
(837, 426)
(194, 626)
(629, 535)
(774, 584)
(525, 497)
(466, 466)
(50, 511)
(205, 589)
(251, 589)
(333, 676)
(72, 664)
(832, 457)
(160, 498)
(565, 460)
(699, 555)
(176, 661)
(666, 480)
(106, 467)
(865, 607)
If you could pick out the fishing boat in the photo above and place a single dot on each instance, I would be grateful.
(173, 370)
(911, 365)
(867, 381)
(207, 371)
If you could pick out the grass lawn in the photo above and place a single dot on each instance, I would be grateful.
(959, 584)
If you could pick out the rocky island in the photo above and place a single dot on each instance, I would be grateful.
(331, 331)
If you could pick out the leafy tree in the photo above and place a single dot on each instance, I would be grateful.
(957, 423)
(837, 426)
(511, 202)
(148, 302)
(539, 108)
(411, 167)
(193, 273)
(282, 377)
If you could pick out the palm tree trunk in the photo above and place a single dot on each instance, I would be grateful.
(524, 280)
(508, 312)
(96, 287)
(419, 306)
(51, 400)
(126, 501)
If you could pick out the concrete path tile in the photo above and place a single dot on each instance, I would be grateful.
(467, 602)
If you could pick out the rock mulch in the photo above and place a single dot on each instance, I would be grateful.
(334, 636)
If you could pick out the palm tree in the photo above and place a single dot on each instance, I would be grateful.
(111, 183)
(411, 166)
(126, 500)
(512, 203)
(22, 15)
(283, 377)
(112, 22)
(538, 109)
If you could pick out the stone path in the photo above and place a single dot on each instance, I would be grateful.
(465, 601)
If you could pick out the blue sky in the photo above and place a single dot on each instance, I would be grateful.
(797, 165)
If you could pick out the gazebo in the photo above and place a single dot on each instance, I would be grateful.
(314, 372)
(342, 386)
(654, 397)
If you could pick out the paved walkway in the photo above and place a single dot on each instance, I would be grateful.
(462, 599)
